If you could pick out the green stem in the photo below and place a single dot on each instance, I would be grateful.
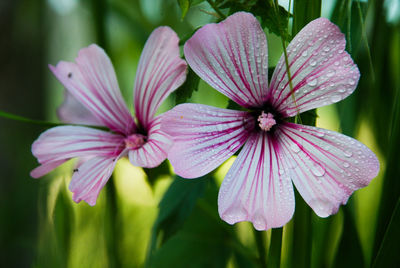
(214, 6)
(260, 242)
(289, 75)
(41, 122)
(301, 234)
(275, 248)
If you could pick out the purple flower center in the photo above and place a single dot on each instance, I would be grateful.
(135, 141)
(266, 121)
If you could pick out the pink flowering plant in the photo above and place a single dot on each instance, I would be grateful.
(326, 167)
(235, 163)
(94, 98)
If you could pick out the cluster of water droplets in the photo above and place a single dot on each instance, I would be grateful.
(320, 64)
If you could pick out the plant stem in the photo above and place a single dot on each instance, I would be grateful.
(41, 122)
(260, 242)
(274, 255)
(214, 6)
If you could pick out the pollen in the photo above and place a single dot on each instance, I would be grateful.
(135, 141)
(181, 116)
(266, 121)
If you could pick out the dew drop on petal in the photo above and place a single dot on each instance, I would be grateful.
(336, 98)
(348, 153)
(318, 170)
(346, 165)
(330, 73)
(313, 62)
(311, 81)
(295, 148)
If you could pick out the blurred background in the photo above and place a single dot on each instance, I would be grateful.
(40, 226)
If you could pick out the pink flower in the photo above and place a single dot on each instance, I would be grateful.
(326, 167)
(91, 82)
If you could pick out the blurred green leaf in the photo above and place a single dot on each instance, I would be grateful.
(233, 105)
(349, 253)
(204, 240)
(304, 11)
(62, 219)
(388, 254)
(185, 91)
(154, 173)
(175, 206)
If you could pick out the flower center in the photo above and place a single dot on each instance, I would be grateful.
(135, 141)
(266, 121)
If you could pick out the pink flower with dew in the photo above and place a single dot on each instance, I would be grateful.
(326, 167)
(94, 98)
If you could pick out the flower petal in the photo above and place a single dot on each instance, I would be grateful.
(326, 166)
(255, 188)
(232, 57)
(91, 177)
(73, 112)
(160, 71)
(204, 137)
(322, 72)
(56, 145)
(155, 150)
(92, 81)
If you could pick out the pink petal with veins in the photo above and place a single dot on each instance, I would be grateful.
(57, 145)
(232, 57)
(73, 112)
(326, 167)
(255, 189)
(156, 148)
(322, 71)
(204, 137)
(92, 81)
(160, 72)
(91, 177)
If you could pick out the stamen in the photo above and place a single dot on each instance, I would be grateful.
(266, 121)
(135, 141)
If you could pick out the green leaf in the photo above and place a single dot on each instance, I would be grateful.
(388, 254)
(349, 253)
(233, 105)
(62, 219)
(184, 5)
(185, 91)
(175, 206)
(154, 173)
(265, 12)
(204, 240)
(304, 11)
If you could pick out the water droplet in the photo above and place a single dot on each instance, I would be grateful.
(346, 165)
(304, 54)
(351, 82)
(330, 73)
(320, 134)
(318, 170)
(348, 153)
(281, 172)
(295, 148)
(327, 48)
(336, 98)
(313, 62)
(312, 81)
